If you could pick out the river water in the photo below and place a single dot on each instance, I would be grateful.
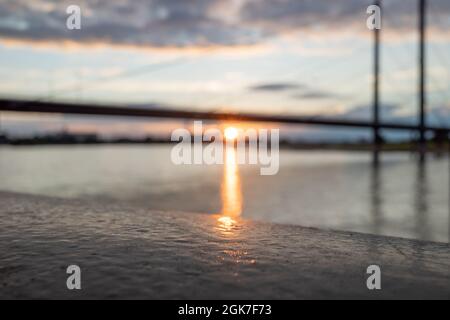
(324, 189)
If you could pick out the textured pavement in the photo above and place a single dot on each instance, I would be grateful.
(133, 252)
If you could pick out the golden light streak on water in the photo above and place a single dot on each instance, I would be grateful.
(231, 192)
(231, 186)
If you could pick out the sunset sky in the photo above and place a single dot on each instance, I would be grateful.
(266, 56)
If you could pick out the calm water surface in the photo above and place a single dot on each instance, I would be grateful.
(331, 190)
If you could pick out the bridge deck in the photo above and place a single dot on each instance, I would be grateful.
(107, 110)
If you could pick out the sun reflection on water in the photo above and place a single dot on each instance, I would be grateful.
(229, 223)
(226, 221)
(231, 193)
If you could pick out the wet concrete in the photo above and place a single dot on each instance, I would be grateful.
(131, 252)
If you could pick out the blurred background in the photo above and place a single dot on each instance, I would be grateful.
(293, 57)
(310, 58)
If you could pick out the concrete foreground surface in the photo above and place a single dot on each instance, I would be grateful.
(127, 252)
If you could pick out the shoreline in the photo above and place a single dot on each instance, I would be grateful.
(344, 148)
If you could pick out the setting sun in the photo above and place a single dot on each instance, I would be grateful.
(231, 133)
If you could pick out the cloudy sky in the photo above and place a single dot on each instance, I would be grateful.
(306, 57)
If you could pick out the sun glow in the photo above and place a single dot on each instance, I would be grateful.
(231, 133)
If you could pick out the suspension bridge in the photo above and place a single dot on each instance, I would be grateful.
(39, 106)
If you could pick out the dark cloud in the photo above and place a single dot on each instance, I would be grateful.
(437, 115)
(282, 15)
(387, 111)
(200, 23)
(297, 91)
(156, 23)
(288, 15)
(275, 87)
(316, 95)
